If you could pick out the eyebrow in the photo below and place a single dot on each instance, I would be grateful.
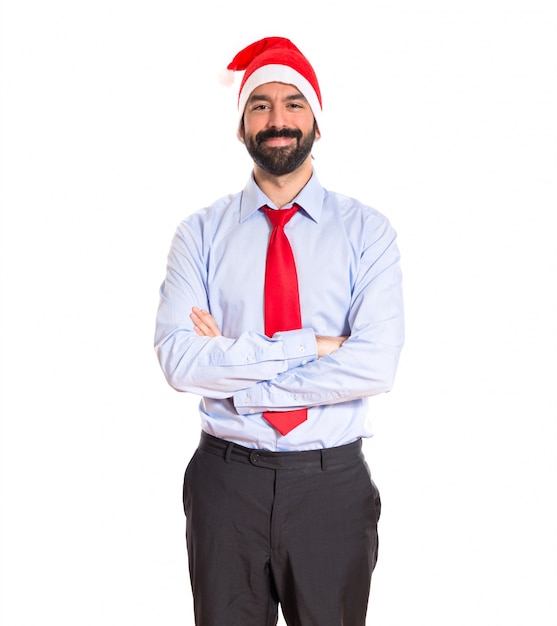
(264, 98)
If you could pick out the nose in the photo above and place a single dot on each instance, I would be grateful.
(276, 118)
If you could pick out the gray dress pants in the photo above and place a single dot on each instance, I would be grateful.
(295, 529)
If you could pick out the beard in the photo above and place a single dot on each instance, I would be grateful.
(279, 161)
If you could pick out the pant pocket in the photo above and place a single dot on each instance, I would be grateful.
(187, 475)
(374, 494)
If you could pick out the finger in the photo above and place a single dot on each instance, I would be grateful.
(198, 326)
(208, 321)
(205, 322)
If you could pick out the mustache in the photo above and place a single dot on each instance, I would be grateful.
(272, 133)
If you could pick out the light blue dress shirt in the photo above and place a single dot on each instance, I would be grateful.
(350, 284)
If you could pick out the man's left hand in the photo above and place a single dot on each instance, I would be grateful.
(204, 323)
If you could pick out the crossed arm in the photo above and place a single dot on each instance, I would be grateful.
(297, 368)
(205, 326)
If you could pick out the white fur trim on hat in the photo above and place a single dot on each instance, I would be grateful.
(279, 74)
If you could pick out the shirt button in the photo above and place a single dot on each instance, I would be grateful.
(297, 398)
(247, 399)
(249, 357)
(302, 349)
(304, 362)
(251, 411)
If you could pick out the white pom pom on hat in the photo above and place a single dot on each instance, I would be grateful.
(226, 77)
(274, 59)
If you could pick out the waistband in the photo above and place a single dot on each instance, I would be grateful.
(306, 459)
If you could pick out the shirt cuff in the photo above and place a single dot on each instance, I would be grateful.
(300, 346)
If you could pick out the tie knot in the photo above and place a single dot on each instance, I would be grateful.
(280, 217)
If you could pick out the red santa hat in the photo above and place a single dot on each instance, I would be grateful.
(276, 59)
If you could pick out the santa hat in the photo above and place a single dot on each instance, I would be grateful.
(275, 59)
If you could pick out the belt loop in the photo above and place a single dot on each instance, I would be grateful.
(228, 452)
(323, 460)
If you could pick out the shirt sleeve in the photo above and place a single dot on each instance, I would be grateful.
(366, 363)
(214, 367)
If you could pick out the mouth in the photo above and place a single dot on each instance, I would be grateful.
(278, 138)
(278, 142)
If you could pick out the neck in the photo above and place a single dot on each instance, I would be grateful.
(281, 190)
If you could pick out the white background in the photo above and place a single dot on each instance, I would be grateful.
(442, 115)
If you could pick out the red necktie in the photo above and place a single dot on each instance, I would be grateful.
(282, 301)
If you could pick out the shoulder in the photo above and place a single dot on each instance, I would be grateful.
(354, 213)
(211, 217)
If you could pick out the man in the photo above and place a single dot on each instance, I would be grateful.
(282, 308)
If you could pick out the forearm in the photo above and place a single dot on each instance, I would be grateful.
(356, 370)
(218, 367)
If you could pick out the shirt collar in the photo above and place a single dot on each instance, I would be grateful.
(310, 199)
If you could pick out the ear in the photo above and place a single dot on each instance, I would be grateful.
(241, 132)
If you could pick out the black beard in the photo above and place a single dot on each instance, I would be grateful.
(282, 160)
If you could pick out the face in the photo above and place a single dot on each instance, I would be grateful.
(278, 128)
